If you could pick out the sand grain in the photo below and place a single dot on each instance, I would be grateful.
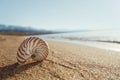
(64, 62)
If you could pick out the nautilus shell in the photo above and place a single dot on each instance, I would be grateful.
(34, 48)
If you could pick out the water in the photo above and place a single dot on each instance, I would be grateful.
(106, 39)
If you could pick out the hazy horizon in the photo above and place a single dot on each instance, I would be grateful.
(61, 14)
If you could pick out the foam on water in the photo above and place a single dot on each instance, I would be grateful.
(107, 39)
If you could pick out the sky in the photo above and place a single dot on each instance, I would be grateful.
(61, 14)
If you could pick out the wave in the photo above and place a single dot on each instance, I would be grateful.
(108, 41)
(97, 39)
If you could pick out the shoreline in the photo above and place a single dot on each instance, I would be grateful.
(84, 48)
(101, 45)
(66, 61)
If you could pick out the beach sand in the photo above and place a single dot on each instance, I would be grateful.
(65, 61)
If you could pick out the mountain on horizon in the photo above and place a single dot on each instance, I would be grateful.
(22, 30)
(11, 29)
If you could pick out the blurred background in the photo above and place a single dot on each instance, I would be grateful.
(74, 20)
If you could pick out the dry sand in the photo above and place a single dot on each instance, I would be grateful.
(65, 62)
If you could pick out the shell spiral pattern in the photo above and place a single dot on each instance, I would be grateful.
(33, 47)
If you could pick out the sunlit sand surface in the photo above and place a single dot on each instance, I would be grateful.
(65, 62)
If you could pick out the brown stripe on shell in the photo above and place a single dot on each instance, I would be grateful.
(20, 61)
(24, 46)
(35, 42)
(24, 52)
(30, 44)
(21, 57)
(45, 51)
(20, 51)
(27, 40)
